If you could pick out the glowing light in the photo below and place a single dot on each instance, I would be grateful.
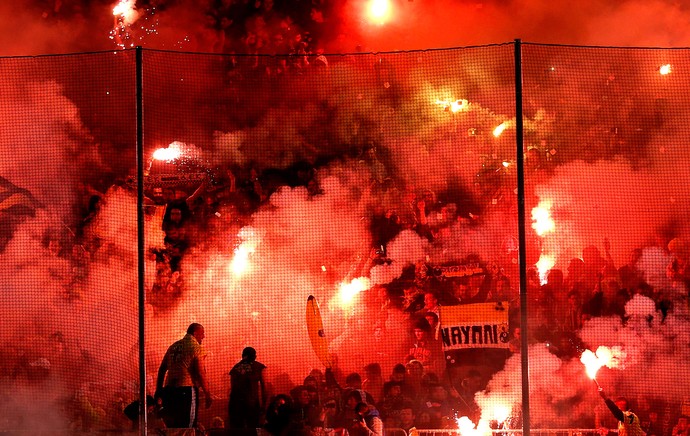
(544, 264)
(126, 9)
(467, 428)
(665, 69)
(379, 10)
(541, 215)
(172, 152)
(506, 164)
(348, 291)
(323, 268)
(500, 412)
(500, 128)
(240, 263)
(454, 106)
(604, 356)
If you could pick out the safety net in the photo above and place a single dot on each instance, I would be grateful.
(454, 240)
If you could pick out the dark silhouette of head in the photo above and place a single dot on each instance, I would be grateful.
(249, 354)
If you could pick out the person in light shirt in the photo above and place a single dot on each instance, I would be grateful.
(181, 375)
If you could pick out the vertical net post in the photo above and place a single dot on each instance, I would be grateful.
(140, 238)
(521, 235)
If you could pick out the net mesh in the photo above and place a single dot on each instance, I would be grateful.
(382, 185)
(604, 129)
(68, 244)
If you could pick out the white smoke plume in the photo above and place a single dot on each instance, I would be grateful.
(655, 353)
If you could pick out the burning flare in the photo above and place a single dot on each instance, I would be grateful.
(604, 356)
(454, 106)
(379, 11)
(500, 412)
(500, 128)
(665, 69)
(467, 427)
(240, 263)
(349, 290)
(544, 265)
(172, 152)
(541, 215)
(126, 10)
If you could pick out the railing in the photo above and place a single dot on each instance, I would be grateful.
(517, 431)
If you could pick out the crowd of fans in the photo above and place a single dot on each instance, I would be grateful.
(422, 390)
(252, 31)
(266, 27)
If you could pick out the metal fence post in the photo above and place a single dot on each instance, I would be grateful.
(140, 237)
(521, 237)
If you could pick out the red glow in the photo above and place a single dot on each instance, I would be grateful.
(379, 11)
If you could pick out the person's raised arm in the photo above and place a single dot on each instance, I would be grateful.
(197, 193)
(376, 428)
(618, 413)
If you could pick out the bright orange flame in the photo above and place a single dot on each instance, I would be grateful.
(500, 412)
(500, 128)
(240, 263)
(541, 216)
(665, 69)
(544, 264)
(127, 10)
(348, 291)
(454, 106)
(604, 356)
(467, 428)
(465, 425)
(168, 154)
(379, 10)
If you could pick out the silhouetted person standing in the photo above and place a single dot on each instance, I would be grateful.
(247, 392)
(180, 376)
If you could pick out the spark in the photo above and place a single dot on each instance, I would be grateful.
(665, 69)
(506, 164)
(124, 15)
